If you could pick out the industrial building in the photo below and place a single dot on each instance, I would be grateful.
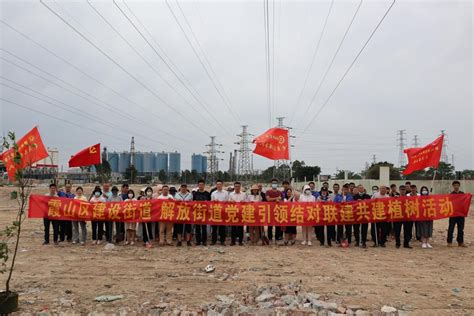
(199, 163)
(145, 162)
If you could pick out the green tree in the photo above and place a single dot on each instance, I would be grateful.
(445, 171)
(131, 174)
(104, 171)
(467, 174)
(350, 175)
(162, 175)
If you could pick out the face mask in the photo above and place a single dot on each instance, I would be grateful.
(274, 185)
(149, 193)
(307, 192)
(130, 196)
(97, 194)
(424, 192)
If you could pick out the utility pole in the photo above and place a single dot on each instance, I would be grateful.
(415, 142)
(212, 159)
(444, 152)
(244, 168)
(279, 163)
(401, 147)
(132, 158)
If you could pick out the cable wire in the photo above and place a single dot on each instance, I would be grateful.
(349, 68)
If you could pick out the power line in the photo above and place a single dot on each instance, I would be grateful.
(267, 59)
(74, 110)
(151, 66)
(349, 68)
(332, 60)
(312, 62)
(211, 69)
(164, 57)
(199, 128)
(72, 65)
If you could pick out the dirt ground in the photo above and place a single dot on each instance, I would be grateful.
(67, 278)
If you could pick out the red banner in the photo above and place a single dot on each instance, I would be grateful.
(416, 208)
(31, 150)
(424, 157)
(86, 157)
(273, 144)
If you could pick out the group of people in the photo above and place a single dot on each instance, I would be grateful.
(167, 233)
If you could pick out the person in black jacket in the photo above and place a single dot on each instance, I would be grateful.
(407, 226)
(360, 230)
(201, 230)
(458, 220)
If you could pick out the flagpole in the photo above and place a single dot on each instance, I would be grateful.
(432, 181)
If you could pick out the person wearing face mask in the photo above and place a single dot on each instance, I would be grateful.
(97, 226)
(130, 227)
(331, 229)
(407, 226)
(109, 225)
(75, 224)
(375, 189)
(425, 228)
(360, 230)
(254, 231)
(182, 229)
(290, 231)
(274, 195)
(307, 196)
(147, 228)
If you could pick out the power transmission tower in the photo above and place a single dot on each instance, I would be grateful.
(444, 152)
(452, 160)
(286, 172)
(244, 168)
(401, 147)
(132, 152)
(374, 159)
(415, 143)
(212, 159)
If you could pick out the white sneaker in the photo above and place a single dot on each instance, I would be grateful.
(303, 242)
(424, 246)
(309, 243)
(429, 246)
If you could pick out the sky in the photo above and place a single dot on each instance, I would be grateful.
(174, 73)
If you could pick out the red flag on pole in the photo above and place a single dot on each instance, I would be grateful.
(86, 157)
(421, 158)
(273, 144)
(31, 150)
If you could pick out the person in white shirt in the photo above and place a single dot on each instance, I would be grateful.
(75, 224)
(380, 230)
(166, 228)
(307, 196)
(97, 226)
(183, 229)
(255, 231)
(223, 196)
(237, 231)
(130, 227)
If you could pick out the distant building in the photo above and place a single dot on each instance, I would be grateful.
(161, 162)
(139, 161)
(198, 163)
(124, 161)
(113, 159)
(51, 162)
(149, 162)
(174, 162)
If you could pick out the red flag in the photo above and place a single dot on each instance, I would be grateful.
(421, 158)
(30, 148)
(86, 157)
(273, 144)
